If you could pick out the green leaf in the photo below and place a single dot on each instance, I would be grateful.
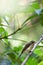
(12, 56)
(39, 51)
(32, 61)
(41, 63)
(32, 7)
(3, 32)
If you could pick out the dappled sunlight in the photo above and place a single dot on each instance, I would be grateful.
(8, 6)
(21, 32)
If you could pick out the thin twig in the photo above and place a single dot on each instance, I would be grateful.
(25, 60)
(18, 40)
(5, 25)
(22, 26)
(31, 17)
(6, 37)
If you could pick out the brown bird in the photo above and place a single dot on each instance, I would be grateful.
(28, 46)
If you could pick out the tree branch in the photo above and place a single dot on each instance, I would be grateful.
(5, 37)
(22, 26)
(25, 60)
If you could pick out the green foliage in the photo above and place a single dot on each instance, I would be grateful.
(32, 7)
(13, 54)
(41, 63)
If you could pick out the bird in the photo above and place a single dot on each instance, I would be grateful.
(28, 46)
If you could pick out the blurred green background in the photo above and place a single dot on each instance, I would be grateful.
(27, 16)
